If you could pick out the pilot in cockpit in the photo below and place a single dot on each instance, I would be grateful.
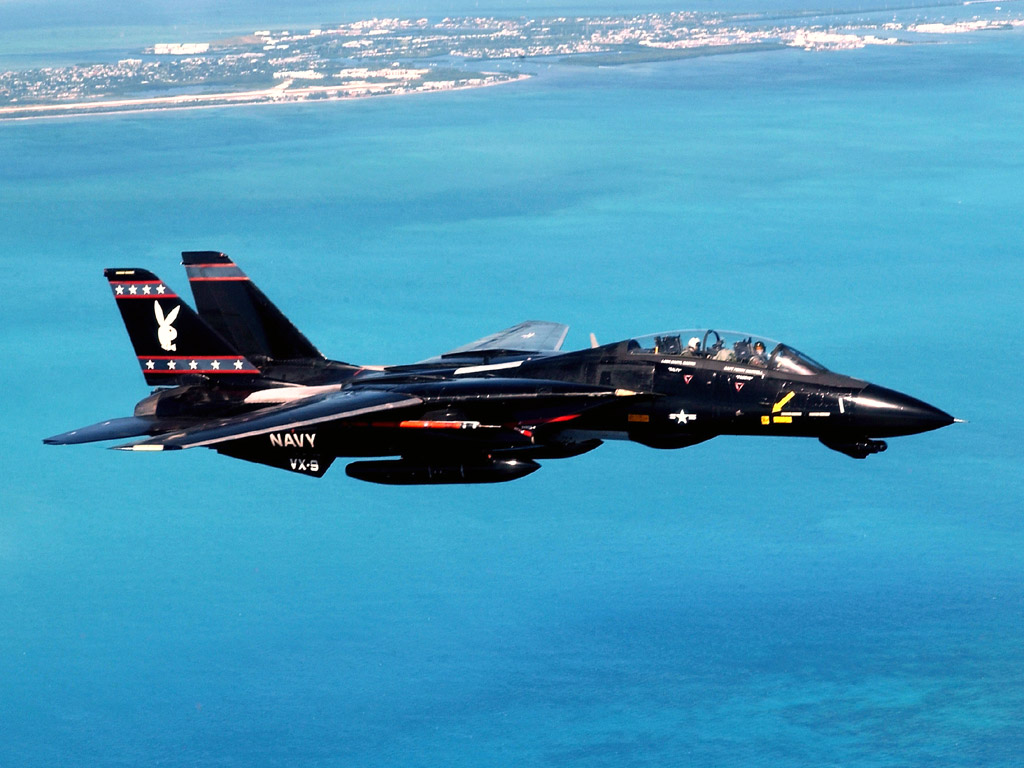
(692, 348)
(718, 350)
(758, 359)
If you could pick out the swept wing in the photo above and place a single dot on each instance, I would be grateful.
(529, 336)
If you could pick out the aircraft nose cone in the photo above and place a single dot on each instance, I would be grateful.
(887, 413)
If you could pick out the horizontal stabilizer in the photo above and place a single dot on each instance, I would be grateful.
(113, 429)
(302, 416)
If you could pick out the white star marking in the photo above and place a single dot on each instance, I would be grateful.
(170, 365)
(160, 289)
(215, 365)
(132, 290)
(149, 365)
(682, 417)
(238, 365)
(119, 290)
(146, 289)
(193, 365)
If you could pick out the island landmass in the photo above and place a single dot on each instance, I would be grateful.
(380, 57)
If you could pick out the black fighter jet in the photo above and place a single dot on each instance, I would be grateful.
(236, 376)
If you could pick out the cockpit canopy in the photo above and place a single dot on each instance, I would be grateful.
(728, 346)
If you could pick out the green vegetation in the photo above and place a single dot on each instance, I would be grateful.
(643, 54)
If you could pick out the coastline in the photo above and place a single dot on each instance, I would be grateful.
(269, 67)
(279, 94)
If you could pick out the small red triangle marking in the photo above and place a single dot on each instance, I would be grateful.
(739, 385)
(687, 377)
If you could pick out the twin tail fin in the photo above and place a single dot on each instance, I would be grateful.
(172, 343)
(239, 311)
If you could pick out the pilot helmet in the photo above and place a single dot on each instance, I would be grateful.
(693, 343)
(759, 346)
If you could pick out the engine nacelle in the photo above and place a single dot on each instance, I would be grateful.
(411, 472)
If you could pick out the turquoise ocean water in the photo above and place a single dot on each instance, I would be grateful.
(742, 602)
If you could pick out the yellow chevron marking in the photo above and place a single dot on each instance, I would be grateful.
(782, 403)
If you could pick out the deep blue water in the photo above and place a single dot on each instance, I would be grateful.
(742, 602)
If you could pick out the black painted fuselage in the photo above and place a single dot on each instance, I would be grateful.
(238, 377)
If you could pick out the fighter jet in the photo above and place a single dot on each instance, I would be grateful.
(236, 376)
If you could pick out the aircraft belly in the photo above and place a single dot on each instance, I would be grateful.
(579, 435)
(390, 438)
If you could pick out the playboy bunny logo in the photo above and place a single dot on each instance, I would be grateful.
(166, 333)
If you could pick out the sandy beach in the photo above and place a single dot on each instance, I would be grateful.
(283, 93)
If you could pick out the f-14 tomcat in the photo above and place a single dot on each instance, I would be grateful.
(236, 376)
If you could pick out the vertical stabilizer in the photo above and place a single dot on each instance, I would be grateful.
(172, 343)
(232, 304)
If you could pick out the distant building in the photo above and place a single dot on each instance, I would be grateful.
(305, 74)
(180, 49)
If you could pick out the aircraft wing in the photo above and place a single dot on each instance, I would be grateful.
(530, 336)
(304, 413)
